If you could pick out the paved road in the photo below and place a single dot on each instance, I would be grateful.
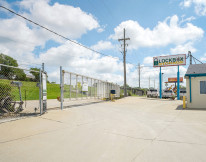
(130, 129)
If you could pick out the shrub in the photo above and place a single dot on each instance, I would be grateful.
(173, 97)
(5, 90)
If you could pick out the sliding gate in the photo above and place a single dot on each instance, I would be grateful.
(79, 87)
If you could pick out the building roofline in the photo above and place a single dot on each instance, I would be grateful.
(196, 75)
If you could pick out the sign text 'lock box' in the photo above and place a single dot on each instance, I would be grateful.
(170, 60)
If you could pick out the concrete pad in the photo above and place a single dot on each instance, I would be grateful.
(185, 132)
(130, 129)
(27, 127)
(172, 152)
(76, 144)
(192, 116)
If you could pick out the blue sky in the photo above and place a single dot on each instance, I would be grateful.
(154, 27)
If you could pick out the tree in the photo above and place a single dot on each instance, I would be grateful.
(9, 72)
(35, 74)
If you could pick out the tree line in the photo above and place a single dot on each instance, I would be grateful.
(15, 73)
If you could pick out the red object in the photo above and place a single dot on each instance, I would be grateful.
(174, 80)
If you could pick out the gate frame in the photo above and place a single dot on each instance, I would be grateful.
(107, 86)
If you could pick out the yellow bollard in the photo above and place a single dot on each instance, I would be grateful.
(184, 105)
(112, 97)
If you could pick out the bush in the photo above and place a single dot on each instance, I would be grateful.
(129, 93)
(121, 95)
(173, 97)
(5, 90)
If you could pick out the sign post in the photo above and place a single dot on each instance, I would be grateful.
(178, 83)
(170, 60)
(160, 82)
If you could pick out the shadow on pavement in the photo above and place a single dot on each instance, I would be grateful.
(157, 99)
(75, 105)
(180, 107)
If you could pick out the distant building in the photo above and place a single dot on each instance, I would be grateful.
(30, 76)
(136, 91)
(196, 86)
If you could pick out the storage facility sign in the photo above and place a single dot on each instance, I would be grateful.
(85, 87)
(170, 60)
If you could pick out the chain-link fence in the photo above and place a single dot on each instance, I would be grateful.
(79, 87)
(20, 91)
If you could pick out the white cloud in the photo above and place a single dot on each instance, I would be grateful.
(101, 29)
(200, 6)
(148, 60)
(102, 45)
(19, 38)
(64, 19)
(80, 60)
(203, 58)
(183, 48)
(163, 34)
(188, 19)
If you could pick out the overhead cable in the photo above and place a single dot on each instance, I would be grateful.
(59, 34)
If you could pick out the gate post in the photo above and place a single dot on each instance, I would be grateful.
(82, 87)
(178, 83)
(76, 87)
(61, 87)
(40, 92)
(70, 86)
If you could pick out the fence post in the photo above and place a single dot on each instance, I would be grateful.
(40, 92)
(70, 87)
(76, 86)
(88, 88)
(94, 89)
(91, 89)
(82, 87)
(61, 87)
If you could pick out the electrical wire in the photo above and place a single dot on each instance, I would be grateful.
(59, 34)
(197, 60)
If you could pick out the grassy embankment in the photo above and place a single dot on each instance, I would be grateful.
(30, 91)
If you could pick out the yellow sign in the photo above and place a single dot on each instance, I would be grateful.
(79, 84)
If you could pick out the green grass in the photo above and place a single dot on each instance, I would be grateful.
(30, 91)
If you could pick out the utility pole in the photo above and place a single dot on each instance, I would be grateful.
(139, 73)
(124, 63)
(149, 82)
(190, 55)
(154, 83)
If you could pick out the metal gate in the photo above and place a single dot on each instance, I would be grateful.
(21, 92)
(79, 87)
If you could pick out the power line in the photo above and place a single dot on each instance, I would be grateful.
(59, 34)
(197, 60)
